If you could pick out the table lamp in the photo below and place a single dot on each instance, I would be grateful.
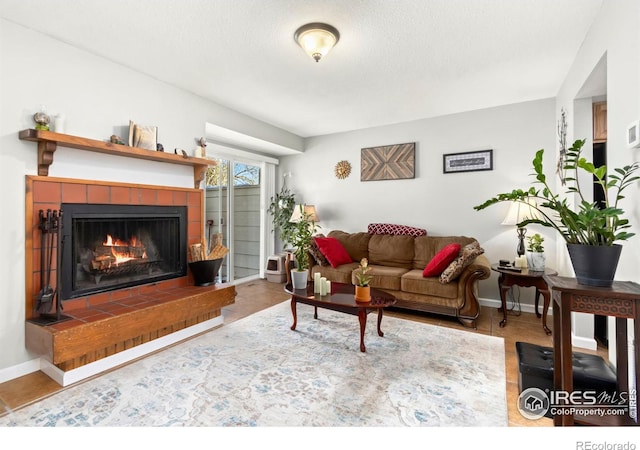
(309, 210)
(518, 212)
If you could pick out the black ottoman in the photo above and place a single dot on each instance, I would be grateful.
(590, 372)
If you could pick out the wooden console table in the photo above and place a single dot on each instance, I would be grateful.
(622, 301)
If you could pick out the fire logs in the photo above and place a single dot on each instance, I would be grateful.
(200, 252)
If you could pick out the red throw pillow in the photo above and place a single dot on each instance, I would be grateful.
(442, 259)
(333, 250)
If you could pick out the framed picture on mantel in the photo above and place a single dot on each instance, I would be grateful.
(143, 136)
(467, 161)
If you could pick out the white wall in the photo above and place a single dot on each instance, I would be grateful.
(441, 203)
(616, 36)
(98, 98)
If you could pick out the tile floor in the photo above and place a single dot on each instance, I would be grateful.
(257, 295)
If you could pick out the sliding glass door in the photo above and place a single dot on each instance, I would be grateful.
(233, 213)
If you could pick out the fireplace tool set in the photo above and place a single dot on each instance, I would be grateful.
(49, 224)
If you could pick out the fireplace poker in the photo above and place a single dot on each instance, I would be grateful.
(48, 227)
(210, 228)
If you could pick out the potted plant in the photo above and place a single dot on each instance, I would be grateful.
(535, 252)
(281, 208)
(301, 236)
(363, 290)
(592, 227)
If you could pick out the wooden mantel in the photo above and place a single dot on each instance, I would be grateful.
(48, 142)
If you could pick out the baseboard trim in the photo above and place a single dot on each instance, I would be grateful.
(525, 307)
(19, 370)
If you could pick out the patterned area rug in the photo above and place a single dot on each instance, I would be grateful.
(257, 372)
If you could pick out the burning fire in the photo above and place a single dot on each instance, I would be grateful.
(124, 251)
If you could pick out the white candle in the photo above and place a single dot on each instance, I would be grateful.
(316, 283)
(323, 286)
(328, 283)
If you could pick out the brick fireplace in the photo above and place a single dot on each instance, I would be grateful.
(110, 321)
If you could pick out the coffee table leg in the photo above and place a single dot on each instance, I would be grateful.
(293, 311)
(362, 316)
(315, 312)
(380, 333)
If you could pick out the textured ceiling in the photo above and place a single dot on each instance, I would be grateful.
(396, 61)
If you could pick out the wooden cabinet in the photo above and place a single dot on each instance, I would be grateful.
(600, 122)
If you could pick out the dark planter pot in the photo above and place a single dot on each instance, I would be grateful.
(594, 265)
(205, 272)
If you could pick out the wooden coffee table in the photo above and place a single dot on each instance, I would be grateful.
(341, 299)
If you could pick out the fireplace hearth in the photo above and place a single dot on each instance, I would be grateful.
(109, 246)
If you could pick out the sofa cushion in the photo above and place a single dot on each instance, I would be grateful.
(341, 274)
(442, 259)
(392, 251)
(426, 247)
(333, 250)
(467, 255)
(356, 244)
(384, 277)
(390, 228)
(415, 283)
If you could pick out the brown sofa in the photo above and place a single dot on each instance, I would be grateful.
(397, 263)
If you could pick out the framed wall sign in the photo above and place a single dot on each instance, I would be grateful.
(633, 134)
(467, 161)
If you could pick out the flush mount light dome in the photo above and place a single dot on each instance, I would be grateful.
(316, 39)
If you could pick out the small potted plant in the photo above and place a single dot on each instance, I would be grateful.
(535, 252)
(363, 290)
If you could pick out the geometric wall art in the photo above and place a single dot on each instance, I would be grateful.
(389, 162)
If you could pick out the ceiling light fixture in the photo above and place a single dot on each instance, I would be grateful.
(316, 39)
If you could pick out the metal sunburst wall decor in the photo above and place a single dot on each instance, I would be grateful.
(342, 169)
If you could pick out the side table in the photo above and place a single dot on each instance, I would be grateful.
(524, 278)
(622, 301)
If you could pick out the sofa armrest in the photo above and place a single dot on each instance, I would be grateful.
(479, 269)
(481, 265)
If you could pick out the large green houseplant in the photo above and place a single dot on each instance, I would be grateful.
(280, 209)
(301, 237)
(588, 226)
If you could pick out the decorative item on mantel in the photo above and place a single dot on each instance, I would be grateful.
(205, 260)
(363, 290)
(200, 151)
(42, 119)
(115, 139)
(143, 136)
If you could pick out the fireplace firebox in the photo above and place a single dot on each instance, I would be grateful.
(107, 247)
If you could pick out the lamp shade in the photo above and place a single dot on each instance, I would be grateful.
(317, 39)
(309, 210)
(520, 211)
